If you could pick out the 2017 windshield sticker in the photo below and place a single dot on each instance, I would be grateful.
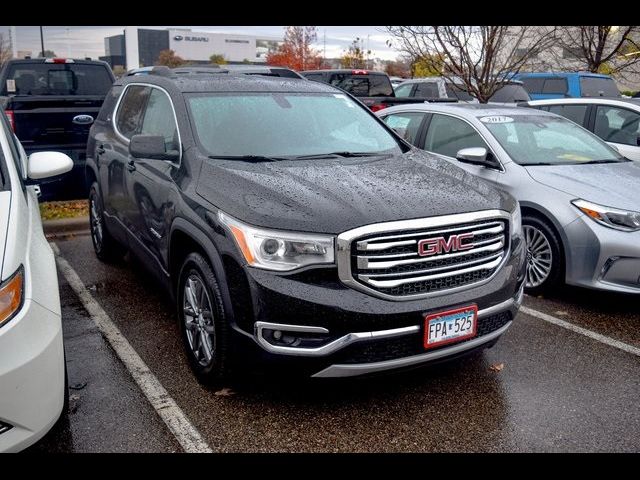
(496, 119)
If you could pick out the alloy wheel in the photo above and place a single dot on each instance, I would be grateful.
(96, 224)
(539, 256)
(198, 320)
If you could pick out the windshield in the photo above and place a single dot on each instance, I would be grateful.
(57, 79)
(548, 140)
(285, 125)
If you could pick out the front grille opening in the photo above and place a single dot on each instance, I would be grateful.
(457, 255)
(406, 346)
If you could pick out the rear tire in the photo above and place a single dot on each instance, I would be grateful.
(106, 247)
(545, 260)
(203, 322)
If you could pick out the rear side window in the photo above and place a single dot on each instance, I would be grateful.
(109, 103)
(404, 90)
(131, 109)
(407, 125)
(598, 87)
(427, 89)
(555, 85)
(159, 119)
(458, 91)
(510, 94)
(618, 125)
(380, 86)
(533, 84)
(56, 79)
(575, 113)
(448, 135)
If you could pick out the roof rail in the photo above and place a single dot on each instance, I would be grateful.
(162, 71)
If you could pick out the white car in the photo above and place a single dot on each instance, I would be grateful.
(32, 365)
(615, 120)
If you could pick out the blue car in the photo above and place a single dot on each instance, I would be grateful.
(543, 85)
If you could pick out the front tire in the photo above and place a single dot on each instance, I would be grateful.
(545, 262)
(106, 247)
(203, 322)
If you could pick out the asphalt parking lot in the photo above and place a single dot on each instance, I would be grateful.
(542, 388)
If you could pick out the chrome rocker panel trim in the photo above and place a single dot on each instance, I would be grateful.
(351, 370)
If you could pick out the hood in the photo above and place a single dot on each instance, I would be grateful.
(335, 195)
(5, 204)
(609, 184)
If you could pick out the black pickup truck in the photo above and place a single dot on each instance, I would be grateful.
(372, 88)
(51, 104)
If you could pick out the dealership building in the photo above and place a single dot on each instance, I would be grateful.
(195, 47)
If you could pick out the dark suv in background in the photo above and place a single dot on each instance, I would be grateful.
(51, 104)
(292, 226)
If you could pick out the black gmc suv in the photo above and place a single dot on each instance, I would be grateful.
(291, 225)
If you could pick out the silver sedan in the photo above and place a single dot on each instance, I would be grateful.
(579, 196)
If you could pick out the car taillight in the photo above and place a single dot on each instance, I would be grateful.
(12, 120)
(377, 106)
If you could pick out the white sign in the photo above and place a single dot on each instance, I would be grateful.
(496, 119)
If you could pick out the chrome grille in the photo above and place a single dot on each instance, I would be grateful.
(390, 264)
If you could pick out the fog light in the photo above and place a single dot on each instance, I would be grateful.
(277, 334)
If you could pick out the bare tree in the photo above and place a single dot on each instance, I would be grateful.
(5, 50)
(479, 57)
(599, 49)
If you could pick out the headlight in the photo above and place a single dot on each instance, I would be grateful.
(624, 220)
(11, 292)
(277, 250)
(516, 220)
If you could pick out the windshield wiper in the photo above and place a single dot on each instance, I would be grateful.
(590, 162)
(248, 158)
(340, 154)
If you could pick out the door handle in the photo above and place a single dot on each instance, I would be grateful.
(131, 166)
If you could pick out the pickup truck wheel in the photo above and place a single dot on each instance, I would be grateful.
(203, 322)
(106, 247)
(545, 263)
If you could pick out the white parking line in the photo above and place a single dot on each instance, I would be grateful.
(172, 415)
(582, 331)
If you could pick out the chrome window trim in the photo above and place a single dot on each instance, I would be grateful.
(345, 239)
(114, 118)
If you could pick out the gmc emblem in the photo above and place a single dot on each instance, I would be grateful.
(437, 245)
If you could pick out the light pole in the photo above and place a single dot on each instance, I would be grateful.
(41, 43)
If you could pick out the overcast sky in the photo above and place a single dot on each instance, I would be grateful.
(89, 41)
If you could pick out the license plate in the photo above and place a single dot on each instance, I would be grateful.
(450, 326)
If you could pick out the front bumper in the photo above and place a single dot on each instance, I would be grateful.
(31, 376)
(341, 331)
(602, 258)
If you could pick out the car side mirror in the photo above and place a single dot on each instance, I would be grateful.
(48, 164)
(477, 156)
(151, 147)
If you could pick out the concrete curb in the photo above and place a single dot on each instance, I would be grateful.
(62, 227)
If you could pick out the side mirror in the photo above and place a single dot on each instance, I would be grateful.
(151, 147)
(477, 156)
(48, 164)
